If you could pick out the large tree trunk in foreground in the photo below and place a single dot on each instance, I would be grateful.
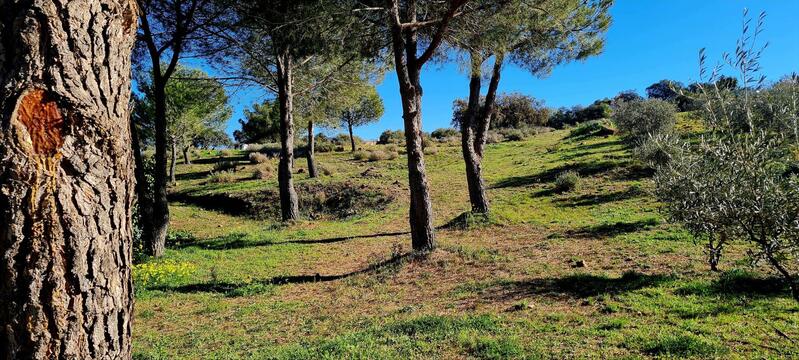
(311, 150)
(473, 131)
(66, 179)
(289, 207)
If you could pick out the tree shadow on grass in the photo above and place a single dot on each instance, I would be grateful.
(583, 168)
(599, 145)
(192, 176)
(612, 230)
(737, 283)
(598, 199)
(240, 241)
(575, 286)
(235, 289)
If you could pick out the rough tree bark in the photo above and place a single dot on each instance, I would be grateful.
(311, 151)
(408, 66)
(66, 179)
(289, 207)
(475, 125)
(352, 137)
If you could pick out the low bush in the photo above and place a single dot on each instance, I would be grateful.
(360, 155)
(377, 155)
(324, 170)
(225, 165)
(391, 137)
(430, 150)
(221, 177)
(324, 147)
(512, 134)
(263, 171)
(444, 133)
(567, 181)
(638, 120)
(258, 158)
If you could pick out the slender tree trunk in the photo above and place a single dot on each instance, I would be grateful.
(474, 129)
(66, 179)
(174, 160)
(474, 177)
(160, 203)
(352, 137)
(311, 151)
(421, 212)
(186, 157)
(289, 207)
(143, 196)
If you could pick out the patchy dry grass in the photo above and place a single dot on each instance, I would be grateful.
(591, 273)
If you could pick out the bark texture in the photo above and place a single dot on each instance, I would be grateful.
(289, 207)
(474, 128)
(408, 67)
(66, 179)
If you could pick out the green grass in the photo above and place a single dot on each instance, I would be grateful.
(592, 273)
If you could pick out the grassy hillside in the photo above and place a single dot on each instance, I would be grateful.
(594, 272)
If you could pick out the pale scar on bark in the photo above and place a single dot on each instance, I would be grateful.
(43, 120)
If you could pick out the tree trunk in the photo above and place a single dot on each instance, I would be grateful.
(186, 157)
(474, 129)
(289, 207)
(474, 176)
(421, 212)
(311, 151)
(160, 203)
(66, 179)
(352, 137)
(174, 161)
(143, 197)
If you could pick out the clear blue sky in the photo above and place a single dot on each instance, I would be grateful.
(649, 40)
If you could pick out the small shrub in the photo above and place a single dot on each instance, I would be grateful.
(221, 177)
(638, 120)
(512, 134)
(444, 133)
(360, 155)
(430, 150)
(391, 137)
(492, 137)
(324, 147)
(227, 153)
(377, 155)
(225, 166)
(324, 170)
(567, 181)
(258, 158)
(263, 171)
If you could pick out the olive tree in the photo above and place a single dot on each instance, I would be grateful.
(739, 180)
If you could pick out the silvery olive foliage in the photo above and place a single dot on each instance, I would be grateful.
(638, 120)
(739, 180)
